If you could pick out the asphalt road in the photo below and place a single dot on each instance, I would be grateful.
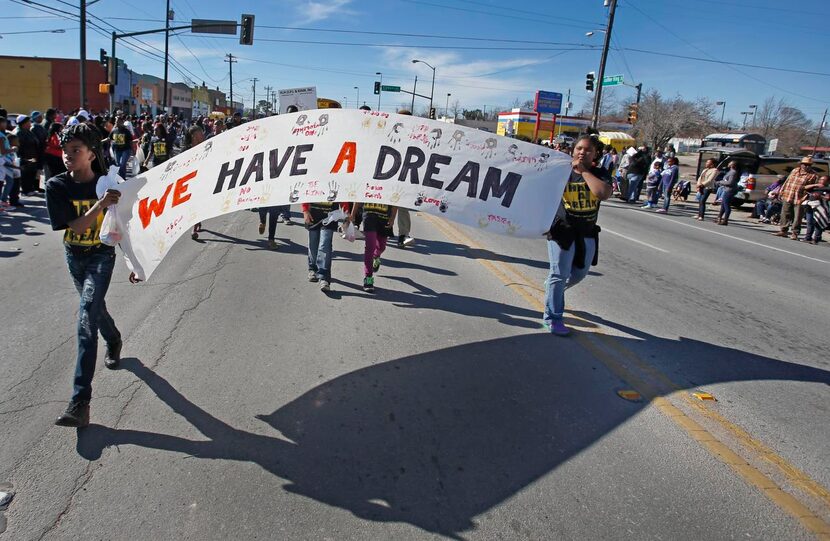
(252, 406)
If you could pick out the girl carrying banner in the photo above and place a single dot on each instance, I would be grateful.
(574, 234)
(377, 227)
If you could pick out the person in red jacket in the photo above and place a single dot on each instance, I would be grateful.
(320, 234)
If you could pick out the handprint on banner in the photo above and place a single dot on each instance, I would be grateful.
(351, 190)
(381, 123)
(333, 189)
(420, 199)
(435, 137)
(513, 228)
(512, 149)
(483, 222)
(395, 133)
(227, 202)
(301, 120)
(266, 193)
(294, 196)
(396, 195)
(443, 205)
(457, 137)
(367, 121)
(324, 124)
(489, 147)
(159, 243)
(542, 164)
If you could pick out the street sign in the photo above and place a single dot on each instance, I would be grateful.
(547, 102)
(612, 80)
(388, 88)
(212, 26)
(773, 145)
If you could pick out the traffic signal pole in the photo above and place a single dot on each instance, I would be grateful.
(603, 59)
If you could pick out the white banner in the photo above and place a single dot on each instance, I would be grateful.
(466, 175)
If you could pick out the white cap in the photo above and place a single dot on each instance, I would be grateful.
(73, 120)
(82, 114)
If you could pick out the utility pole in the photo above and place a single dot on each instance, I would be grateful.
(268, 97)
(230, 60)
(414, 89)
(567, 103)
(601, 74)
(820, 129)
(83, 55)
(166, 53)
(253, 108)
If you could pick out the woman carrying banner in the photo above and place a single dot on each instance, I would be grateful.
(74, 207)
(573, 236)
(320, 236)
(377, 227)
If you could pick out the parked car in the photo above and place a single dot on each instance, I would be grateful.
(765, 169)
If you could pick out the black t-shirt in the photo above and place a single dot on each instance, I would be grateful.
(160, 150)
(579, 204)
(66, 200)
(319, 212)
(376, 218)
(121, 138)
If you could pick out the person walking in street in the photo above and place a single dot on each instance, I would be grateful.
(121, 139)
(53, 156)
(791, 194)
(574, 234)
(75, 208)
(320, 240)
(159, 147)
(377, 227)
(193, 137)
(815, 201)
(729, 186)
(705, 185)
(668, 178)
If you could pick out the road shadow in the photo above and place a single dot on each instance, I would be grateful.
(20, 222)
(440, 247)
(434, 439)
(390, 261)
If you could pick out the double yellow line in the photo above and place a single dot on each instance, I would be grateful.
(655, 386)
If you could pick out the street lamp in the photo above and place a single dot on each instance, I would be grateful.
(381, 86)
(431, 92)
(723, 110)
(754, 110)
(447, 108)
(357, 103)
(745, 113)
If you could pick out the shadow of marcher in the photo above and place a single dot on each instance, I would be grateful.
(440, 247)
(434, 439)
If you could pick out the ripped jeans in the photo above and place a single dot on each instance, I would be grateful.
(91, 272)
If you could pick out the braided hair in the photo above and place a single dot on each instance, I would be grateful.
(90, 137)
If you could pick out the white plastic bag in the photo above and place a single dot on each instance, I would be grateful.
(112, 230)
(349, 232)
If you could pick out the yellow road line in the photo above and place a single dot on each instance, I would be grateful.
(508, 275)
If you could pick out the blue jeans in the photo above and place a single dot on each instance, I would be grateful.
(634, 186)
(121, 157)
(666, 190)
(8, 184)
(319, 252)
(702, 199)
(813, 230)
(91, 274)
(563, 275)
(726, 204)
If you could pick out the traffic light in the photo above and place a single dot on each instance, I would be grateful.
(246, 34)
(106, 88)
(432, 113)
(632, 113)
(589, 82)
(103, 59)
(377, 87)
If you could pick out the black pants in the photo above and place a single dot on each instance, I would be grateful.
(28, 177)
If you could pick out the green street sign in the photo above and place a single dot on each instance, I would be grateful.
(612, 80)
(387, 88)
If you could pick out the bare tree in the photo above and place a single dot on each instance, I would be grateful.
(660, 119)
(456, 109)
(776, 118)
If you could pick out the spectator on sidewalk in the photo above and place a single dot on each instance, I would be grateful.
(53, 156)
(815, 200)
(770, 205)
(653, 187)
(668, 178)
(729, 183)
(638, 167)
(29, 152)
(792, 191)
(705, 185)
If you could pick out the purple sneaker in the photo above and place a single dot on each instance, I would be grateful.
(557, 327)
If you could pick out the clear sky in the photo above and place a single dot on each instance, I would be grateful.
(514, 48)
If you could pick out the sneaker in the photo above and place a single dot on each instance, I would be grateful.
(646, 206)
(557, 327)
(376, 264)
(76, 415)
(407, 240)
(312, 276)
(194, 235)
(280, 219)
(369, 284)
(272, 244)
(113, 355)
(662, 211)
(325, 287)
(288, 221)
(261, 229)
